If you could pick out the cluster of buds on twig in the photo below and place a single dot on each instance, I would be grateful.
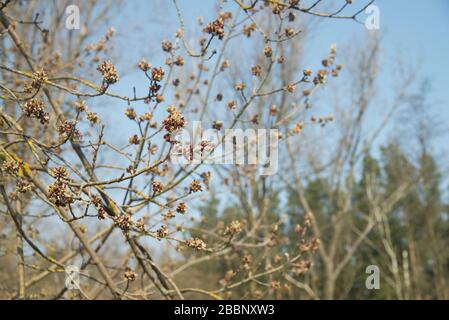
(80, 106)
(57, 191)
(157, 187)
(240, 86)
(268, 52)
(123, 221)
(178, 61)
(170, 214)
(320, 77)
(131, 113)
(217, 125)
(96, 201)
(134, 139)
(129, 275)
(11, 166)
(35, 109)
(195, 186)
(328, 62)
(300, 267)
(60, 173)
(109, 72)
(246, 262)
(234, 228)
(216, 28)
(181, 208)
(225, 65)
(256, 70)
(277, 8)
(93, 117)
(174, 121)
(323, 120)
(157, 74)
(167, 46)
(196, 243)
(162, 232)
(39, 78)
(297, 128)
(309, 246)
(23, 186)
(147, 117)
(67, 129)
(248, 29)
(144, 65)
(206, 177)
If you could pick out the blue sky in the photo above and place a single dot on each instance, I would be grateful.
(416, 31)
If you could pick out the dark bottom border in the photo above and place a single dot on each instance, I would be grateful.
(230, 309)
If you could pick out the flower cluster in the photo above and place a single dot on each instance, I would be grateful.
(170, 214)
(196, 243)
(256, 70)
(96, 201)
(206, 177)
(300, 267)
(225, 64)
(246, 262)
(268, 52)
(320, 77)
(144, 65)
(240, 86)
(232, 105)
(67, 129)
(80, 106)
(39, 77)
(309, 246)
(167, 46)
(297, 128)
(162, 232)
(181, 208)
(60, 173)
(58, 193)
(129, 275)
(179, 61)
(35, 109)
(147, 117)
(174, 121)
(157, 187)
(131, 113)
(109, 72)
(23, 186)
(234, 228)
(248, 29)
(195, 186)
(216, 28)
(134, 139)
(123, 221)
(157, 74)
(289, 32)
(93, 117)
(277, 8)
(323, 120)
(11, 165)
